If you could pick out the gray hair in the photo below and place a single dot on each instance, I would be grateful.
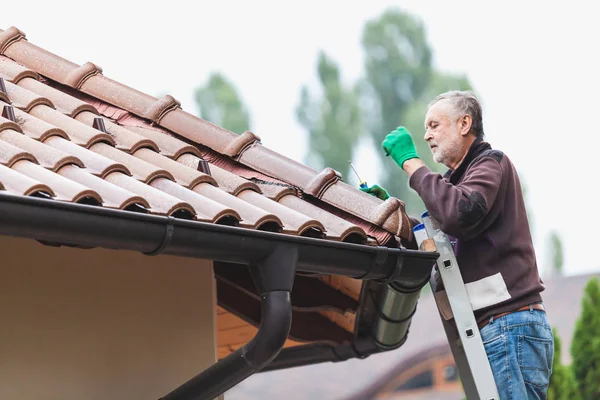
(464, 102)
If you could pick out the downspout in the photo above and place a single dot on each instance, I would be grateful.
(274, 278)
(395, 308)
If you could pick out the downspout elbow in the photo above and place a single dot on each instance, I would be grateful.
(275, 324)
(274, 278)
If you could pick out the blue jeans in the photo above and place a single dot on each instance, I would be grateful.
(520, 349)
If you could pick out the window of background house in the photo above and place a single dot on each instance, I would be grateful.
(420, 381)
(450, 373)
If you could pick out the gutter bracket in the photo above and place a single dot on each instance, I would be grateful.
(274, 279)
(381, 256)
(395, 272)
(169, 228)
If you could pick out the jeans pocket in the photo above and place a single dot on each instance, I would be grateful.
(535, 359)
(495, 347)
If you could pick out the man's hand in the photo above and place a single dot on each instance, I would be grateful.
(399, 144)
(376, 191)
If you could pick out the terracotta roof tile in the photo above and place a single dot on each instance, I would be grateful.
(14, 72)
(233, 166)
(165, 112)
(77, 131)
(125, 139)
(231, 183)
(142, 170)
(276, 192)
(76, 77)
(3, 91)
(342, 230)
(94, 163)
(198, 130)
(336, 227)
(24, 99)
(252, 216)
(8, 124)
(64, 103)
(121, 96)
(160, 202)
(206, 209)
(20, 184)
(297, 174)
(10, 154)
(293, 221)
(12, 42)
(386, 214)
(376, 233)
(88, 79)
(113, 196)
(168, 146)
(189, 160)
(64, 188)
(48, 157)
(35, 127)
(228, 181)
(184, 175)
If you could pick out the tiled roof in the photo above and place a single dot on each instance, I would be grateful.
(70, 133)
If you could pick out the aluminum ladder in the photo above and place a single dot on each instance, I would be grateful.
(462, 331)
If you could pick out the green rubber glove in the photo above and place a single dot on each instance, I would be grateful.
(399, 144)
(376, 191)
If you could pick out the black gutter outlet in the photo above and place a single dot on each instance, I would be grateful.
(274, 279)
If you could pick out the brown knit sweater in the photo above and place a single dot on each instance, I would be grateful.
(480, 206)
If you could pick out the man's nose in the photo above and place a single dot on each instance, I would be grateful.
(428, 135)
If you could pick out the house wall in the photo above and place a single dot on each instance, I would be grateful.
(101, 324)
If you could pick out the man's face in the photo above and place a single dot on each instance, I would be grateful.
(443, 134)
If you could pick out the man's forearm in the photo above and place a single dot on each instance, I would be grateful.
(410, 166)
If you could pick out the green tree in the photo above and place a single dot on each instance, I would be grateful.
(400, 82)
(585, 347)
(218, 102)
(556, 252)
(562, 382)
(333, 119)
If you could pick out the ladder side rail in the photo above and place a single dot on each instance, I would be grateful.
(468, 351)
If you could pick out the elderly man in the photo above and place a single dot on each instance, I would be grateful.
(479, 204)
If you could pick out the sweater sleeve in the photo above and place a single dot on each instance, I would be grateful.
(461, 210)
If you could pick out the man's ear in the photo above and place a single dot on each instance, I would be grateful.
(465, 123)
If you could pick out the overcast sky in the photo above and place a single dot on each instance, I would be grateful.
(533, 64)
